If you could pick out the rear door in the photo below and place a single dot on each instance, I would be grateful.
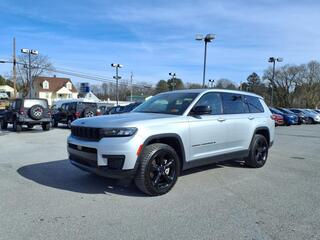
(238, 120)
(207, 132)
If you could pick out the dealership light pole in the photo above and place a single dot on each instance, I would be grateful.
(173, 77)
(208, 38)
(211, 81)
(29, 52)
(273, 60)
(117, 77)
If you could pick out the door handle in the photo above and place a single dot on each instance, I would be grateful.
(250, 118)
(221, 119)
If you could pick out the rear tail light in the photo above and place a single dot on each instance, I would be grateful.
(77, 114)
(98, 112)
(22, 111)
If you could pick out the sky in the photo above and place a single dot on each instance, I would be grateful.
(152, 38)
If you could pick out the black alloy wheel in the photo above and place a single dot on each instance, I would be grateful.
(159, 169)
(162, 170)
(261, 151)
(258, 152)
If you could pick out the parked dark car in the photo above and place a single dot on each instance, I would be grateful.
(70, 111)
(122, 109)
(289, 119)
(104, 107)
(301, 116)
(30, 112)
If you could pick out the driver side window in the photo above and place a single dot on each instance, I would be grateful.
(213, 100)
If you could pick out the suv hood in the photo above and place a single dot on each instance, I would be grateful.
(120, 120)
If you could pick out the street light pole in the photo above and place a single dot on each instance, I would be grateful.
(29, 77)
(211, 81)
(273, 60)
(173, 80)
(117, 77)
(206, 39)
(131, 79)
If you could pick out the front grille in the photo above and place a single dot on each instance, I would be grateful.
(83, 149)
(86, 133)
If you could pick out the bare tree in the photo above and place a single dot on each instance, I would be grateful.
(284, 83)
(40, 64)
(225, 84)
(309, 84)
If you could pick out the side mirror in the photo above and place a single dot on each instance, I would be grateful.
(201, 110)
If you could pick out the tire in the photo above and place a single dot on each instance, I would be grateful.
(46, 126)
(258, 153)
(87, 112)
(69, 123)
(158, 170)
(310, 120)
(17, 127)
(36, 112)
(4, 125)
(54, 123)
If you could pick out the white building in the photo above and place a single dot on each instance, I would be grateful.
(7, 89)
(54, 88)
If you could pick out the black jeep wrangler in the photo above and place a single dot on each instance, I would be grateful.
(70, 111)
(30, 112)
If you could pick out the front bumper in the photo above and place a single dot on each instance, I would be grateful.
(109, 157)
(105, 171)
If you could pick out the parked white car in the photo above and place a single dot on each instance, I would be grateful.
(171, 132)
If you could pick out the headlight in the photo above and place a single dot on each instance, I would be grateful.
(117, 132)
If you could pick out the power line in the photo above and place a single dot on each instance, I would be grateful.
(88, 76)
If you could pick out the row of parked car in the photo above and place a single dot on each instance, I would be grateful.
(31, 112)
(294, 116)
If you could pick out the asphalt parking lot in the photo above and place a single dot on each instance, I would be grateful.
(44, 197)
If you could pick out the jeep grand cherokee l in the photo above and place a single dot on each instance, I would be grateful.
(171, 132)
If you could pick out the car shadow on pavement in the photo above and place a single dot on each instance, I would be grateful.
(10, 130)
(62, 175)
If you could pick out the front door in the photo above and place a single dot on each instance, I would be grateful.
(207, 132)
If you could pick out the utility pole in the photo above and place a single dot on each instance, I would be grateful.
(14, 70)
(131, 80)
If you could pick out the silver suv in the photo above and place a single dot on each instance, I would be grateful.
(171, 132)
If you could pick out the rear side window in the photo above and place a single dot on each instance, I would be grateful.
(213, 100)
(254, 104)
(28, 103)
(83, 105)
(233, 103)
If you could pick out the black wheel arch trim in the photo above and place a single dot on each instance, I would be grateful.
(264, 129)
(165, 135)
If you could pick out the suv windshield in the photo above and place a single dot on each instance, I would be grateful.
(28, 103)
(167, 103)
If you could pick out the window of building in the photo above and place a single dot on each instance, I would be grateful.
(45, 85)
(69, 85)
